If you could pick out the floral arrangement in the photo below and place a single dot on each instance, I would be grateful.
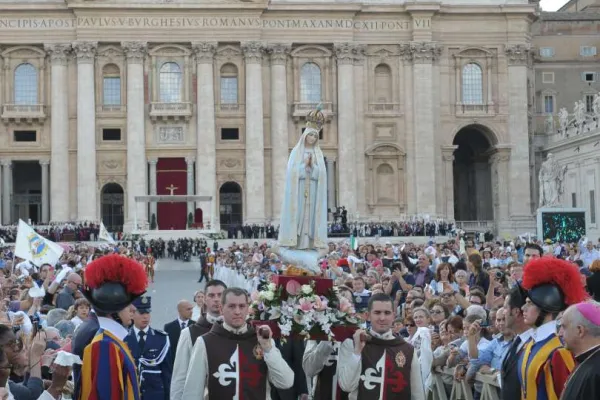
(298, 310)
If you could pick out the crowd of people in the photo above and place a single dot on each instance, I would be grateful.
(511, 310)
(83, 231)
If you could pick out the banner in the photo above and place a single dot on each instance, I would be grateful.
(35, 248)
(104, 235)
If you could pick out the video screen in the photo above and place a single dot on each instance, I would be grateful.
(566, 227)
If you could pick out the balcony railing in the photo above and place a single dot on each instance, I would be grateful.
(170, 111)
(230, 108)
(111, 109)
(301, 109)
(474, 109)
(479, 226)
(23, 112)
(384, 108)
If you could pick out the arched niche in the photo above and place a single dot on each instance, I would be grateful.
(386, 177)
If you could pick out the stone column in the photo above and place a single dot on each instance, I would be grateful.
(279, 121)
(345, 54)
(206, 154)
(423, 55)
(448, 184)
(152, 162)
(190, 183)
(518, 57)
(59, 133)
(330, 161)
(137, 170)
(6, 191)
(255, 147)
(500, 190)
(359, 145)
(86, 131)
(45, 191)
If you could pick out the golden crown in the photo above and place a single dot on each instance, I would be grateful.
(315, 119)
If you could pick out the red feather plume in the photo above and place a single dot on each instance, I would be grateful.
(556, 271)
(116, 268)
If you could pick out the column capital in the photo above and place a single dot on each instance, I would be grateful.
(152, 161)
(448, 152)
(329, 160)
(190, 160)
(45, 161)
(345, 53)
(204, 51)
(6, 163)
(360, 53)
(279, 53)
(85, 52)
(501, 154)
(421, 52)
(253, 51)
(58, 52)
(518, 54)
(135, 51)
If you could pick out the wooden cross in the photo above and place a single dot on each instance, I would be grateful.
(172, 189)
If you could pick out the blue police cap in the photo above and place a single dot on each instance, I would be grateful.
(143, 304)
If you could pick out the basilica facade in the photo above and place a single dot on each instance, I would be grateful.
(426, 108)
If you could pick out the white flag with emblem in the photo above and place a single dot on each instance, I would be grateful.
(104, 235)
(33, 247)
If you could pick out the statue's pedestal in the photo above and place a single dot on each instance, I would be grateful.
(340, 333)
(561, 223)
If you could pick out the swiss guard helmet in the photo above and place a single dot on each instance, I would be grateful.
(552, 285)
(113, 282)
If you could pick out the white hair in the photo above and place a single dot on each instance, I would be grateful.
(575, 318)
(478, 311)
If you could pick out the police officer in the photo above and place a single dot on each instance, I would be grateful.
(150, 348)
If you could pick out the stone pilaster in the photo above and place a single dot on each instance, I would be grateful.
(59, 131)
(519, 57)
(330, 161)
(423, 54)
(448, 184)
(137, 169)
(499, 162)
(255, 161)
(6, 191)
(152, 189)
(360, 84)
(85, 53)
(279, 125)
(190, 183)
(345, 54)
(45, 165)
(206, 154)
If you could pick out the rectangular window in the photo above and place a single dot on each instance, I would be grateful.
(112, 91)
(573, 200)
(587, 51)
(230, 134)
(588, 76)
(111, 134)
(547, 77)
(592, 207)
(25, 136)
(589, 103)
(229, 90)
(546, 51)
(548, 104)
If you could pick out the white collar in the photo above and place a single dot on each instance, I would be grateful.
(113, 327)
(525, 335)
(544, 331)
(389, 335)
(237, 331)
(137, 331)
(212, 319)
(182, 321)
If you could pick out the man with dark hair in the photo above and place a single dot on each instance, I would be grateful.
(513, 302)
(377, 364)
(212, 299)
(234, 360)
(532, 252)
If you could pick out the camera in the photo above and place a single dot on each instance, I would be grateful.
(499, 275)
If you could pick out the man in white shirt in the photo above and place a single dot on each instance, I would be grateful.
(380, 365)
(235, 361)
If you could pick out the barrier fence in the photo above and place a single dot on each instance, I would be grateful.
(462, 390)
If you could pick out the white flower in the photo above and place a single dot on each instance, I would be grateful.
(262, 294)
(272, 287)
(306, 289)
(269, 296)
(286, 328)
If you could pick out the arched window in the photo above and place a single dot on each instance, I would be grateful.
(170, 83)
(229, 84)
(383, 84)
(310, 83)
(472, 84)
(111, 85)
(26, 84)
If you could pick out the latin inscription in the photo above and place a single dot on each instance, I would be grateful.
(209, 22)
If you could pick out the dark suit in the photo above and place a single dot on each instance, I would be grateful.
(173, 329)
(83, 336)
(511, 387)
(156, 370)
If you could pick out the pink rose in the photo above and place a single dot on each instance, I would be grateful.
(320, 303)
(293, 287)
(305, 305)
(254, 296)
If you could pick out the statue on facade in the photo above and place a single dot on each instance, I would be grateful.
(596, 105)
(551, 180)
(579, 114)
(303, 226)
(563, 120)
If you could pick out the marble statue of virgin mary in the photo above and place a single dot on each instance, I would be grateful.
(303, 224)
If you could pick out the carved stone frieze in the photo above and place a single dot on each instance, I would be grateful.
(518, 54)
(111, 164)
(135, 51)
(170, 134)
(344, 53)
(204, 51)
(230, 162)
(279, 53)
(58, 52)
(360, 54)
(253, 51)
(424, 52)
(85, 52)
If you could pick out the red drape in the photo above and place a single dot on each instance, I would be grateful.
(171, 173)
(198, 216)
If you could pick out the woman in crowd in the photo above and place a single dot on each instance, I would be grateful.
(421, 341)
(443, 275)
(478, 277)
(199, 307)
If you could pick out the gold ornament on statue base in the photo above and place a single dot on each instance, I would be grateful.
(292, 270)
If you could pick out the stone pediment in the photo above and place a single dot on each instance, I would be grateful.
(385, 149)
